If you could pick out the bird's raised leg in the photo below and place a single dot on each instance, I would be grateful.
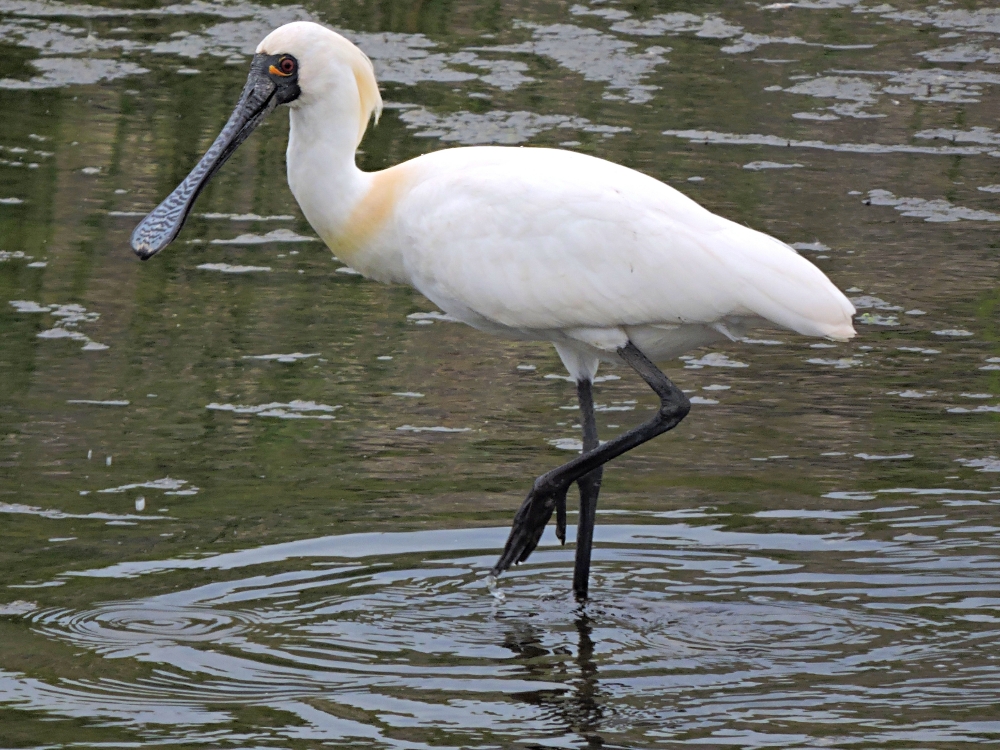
(590, 488)
(550, 488)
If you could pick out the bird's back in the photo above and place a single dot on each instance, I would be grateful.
(532, 238)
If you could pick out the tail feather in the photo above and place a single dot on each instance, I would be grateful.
(779, 284)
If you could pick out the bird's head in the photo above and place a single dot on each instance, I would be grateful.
(300, 64)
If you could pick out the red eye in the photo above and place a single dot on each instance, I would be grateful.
(287, 66)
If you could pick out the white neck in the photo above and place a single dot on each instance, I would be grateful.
(321, 171)
(348, 208)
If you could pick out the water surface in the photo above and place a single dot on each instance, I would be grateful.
(249, 498)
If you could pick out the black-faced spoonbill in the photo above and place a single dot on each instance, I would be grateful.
(531, 243)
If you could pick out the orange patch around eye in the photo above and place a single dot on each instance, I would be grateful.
(275, 72)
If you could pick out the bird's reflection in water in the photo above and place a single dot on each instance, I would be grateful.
(579, 706)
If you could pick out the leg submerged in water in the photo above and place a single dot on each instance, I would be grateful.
(549, 490)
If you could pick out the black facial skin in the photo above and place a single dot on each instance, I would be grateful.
(273, 80)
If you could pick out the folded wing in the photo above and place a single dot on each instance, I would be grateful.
(546, 239)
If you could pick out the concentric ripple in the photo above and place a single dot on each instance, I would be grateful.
(690, 626)
(129, 624)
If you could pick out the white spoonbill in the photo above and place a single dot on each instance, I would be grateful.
(531, 243)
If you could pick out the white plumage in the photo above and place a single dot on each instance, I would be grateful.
(550, 244)
(537, 243)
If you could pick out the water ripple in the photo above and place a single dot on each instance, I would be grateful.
(363, 635)
(126, 625)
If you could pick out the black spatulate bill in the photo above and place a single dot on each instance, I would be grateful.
(267, 86)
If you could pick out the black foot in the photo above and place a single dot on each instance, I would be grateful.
(529, 523)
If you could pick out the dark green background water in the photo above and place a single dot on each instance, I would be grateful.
(810, 560)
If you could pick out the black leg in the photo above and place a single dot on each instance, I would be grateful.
(585, 394)
(550, 488)
(590, 488)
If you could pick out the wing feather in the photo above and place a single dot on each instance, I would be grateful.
(547, 239)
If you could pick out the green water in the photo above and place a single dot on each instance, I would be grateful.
(206, 547)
